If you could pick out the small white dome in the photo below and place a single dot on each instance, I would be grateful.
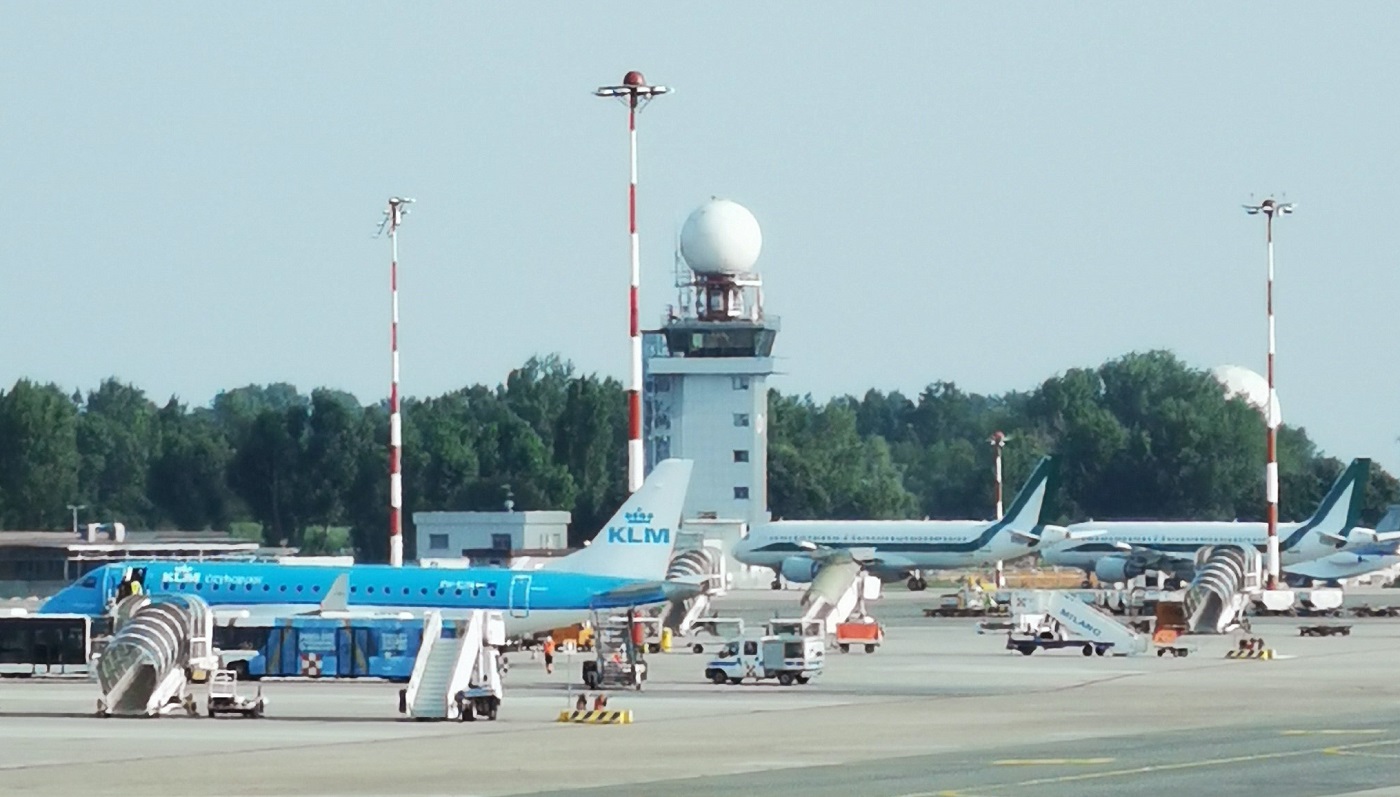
(721, 237)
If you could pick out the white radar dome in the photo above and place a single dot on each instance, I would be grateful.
(721, 237)
(1246, 384)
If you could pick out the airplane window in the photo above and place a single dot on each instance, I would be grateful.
(266, 587)
(370, 590)
(459, 592)
(199, 586)
(475, 590)
(213, 586)
(282, 588)
(424, 590)
(249, 587)
(442, 591)
(90, 581)
(405, 590)
(315, 587)
(298, 588)
(354, 589)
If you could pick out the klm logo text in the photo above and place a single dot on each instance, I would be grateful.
(633, 534)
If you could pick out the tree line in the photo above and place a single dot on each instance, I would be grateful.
(1141, 436)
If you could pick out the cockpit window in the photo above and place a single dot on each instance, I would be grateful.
(89, 582)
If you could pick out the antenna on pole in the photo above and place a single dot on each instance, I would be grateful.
(393, 217)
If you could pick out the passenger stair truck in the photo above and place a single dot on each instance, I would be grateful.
(838, 594)
(1058, 619)
(457, 677)
(157, 647)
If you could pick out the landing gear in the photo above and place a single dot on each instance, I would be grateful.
(916, 582)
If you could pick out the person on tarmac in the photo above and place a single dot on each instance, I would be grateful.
(549, 654)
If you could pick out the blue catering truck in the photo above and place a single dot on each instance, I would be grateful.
(320, 647)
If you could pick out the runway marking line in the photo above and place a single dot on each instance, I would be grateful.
(1341, 751)
(1333, 732)
(971, 791)
(1049, 762)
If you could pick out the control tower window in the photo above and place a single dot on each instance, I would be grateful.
(741, 455)
(740, 382)
(741, 419)
(741, 493)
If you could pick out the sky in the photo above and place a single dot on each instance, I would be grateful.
(985, 193)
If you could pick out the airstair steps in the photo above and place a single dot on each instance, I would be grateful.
(431, 701)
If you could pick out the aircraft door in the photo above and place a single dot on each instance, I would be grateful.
(520, 596)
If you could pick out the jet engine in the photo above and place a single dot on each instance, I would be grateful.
(1116, 568)
(799, 569)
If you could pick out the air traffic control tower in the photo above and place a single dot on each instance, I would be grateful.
(705, 372)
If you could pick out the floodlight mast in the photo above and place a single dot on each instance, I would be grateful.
(1270, 209)
(998, 442)
(635, 93)
(393, 217)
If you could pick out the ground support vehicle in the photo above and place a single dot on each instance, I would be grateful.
(224, 697)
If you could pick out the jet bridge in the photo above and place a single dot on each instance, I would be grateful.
(157, 643)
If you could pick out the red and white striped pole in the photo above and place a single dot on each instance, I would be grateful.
(393, 218)
(1270, 208)
(635, 92)
(998, 441)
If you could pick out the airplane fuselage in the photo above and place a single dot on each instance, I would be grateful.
(1181, 540)
(899, 544)
(531, 601)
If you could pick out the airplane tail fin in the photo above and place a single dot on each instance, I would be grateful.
(1340, 510)
(1023, 519)
(637, 543)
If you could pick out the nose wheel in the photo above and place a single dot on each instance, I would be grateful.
(917, 584)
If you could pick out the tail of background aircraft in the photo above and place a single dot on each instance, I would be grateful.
(1026, 508)
(1340, 510)
(639, 540)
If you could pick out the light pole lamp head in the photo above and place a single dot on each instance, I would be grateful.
(393, 215)
(634, 90)
(1270, 208)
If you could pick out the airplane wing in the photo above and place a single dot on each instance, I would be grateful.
(680, 588)
(829, 556)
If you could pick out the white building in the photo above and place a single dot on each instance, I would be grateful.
(491, 538)
(705, 372)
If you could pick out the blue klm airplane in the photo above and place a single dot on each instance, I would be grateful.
(624, 566)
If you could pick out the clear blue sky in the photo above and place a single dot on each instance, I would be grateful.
(983, 194)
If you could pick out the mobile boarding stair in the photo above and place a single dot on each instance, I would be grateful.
(837, 594)
(705, 565)
(158, 646)
(457, 677)
(1227, 581)
(1052, 619)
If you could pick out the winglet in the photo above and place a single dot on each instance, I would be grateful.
(338, 596)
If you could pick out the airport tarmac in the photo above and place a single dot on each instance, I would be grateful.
(939, 710)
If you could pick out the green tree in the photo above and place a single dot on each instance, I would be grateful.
(188, 475)
(38, 456)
